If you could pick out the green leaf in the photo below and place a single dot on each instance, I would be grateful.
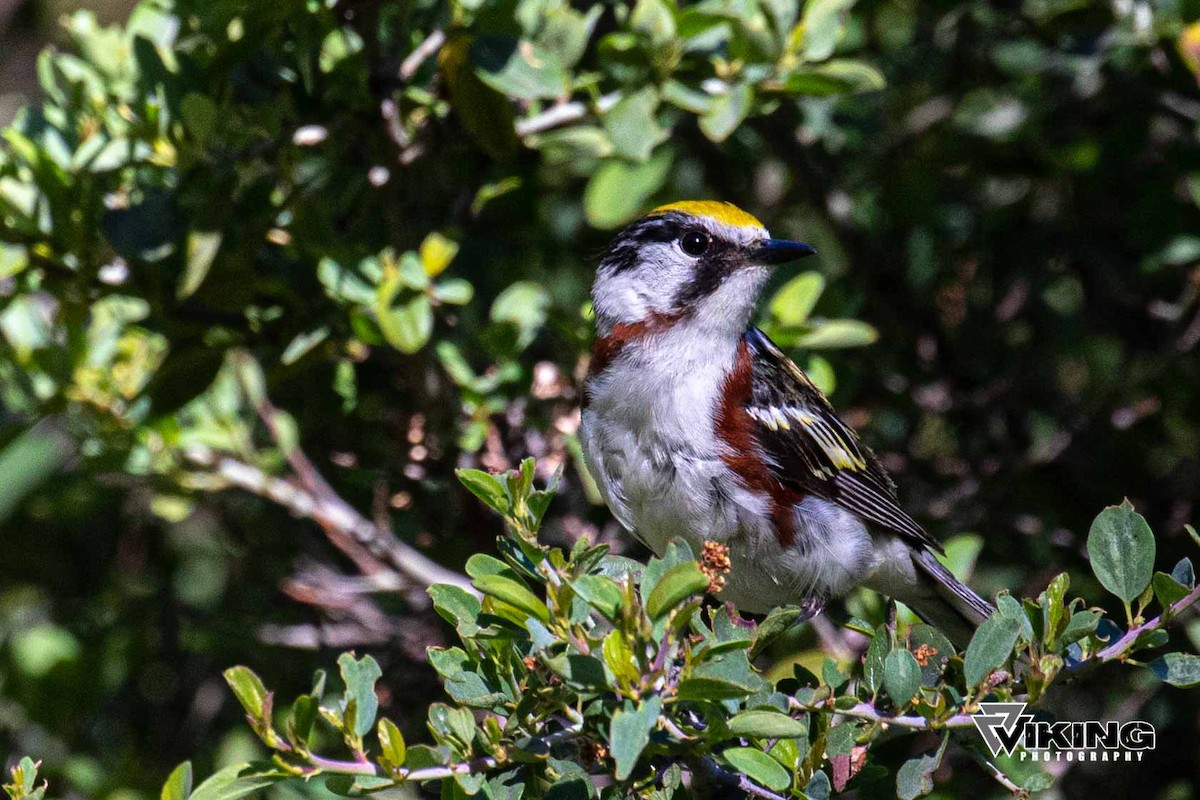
(1177, 669)
(1081, 624)
(514, 593)
(629, 733)
(238, 781)
(758, 767)
(391, 744)
(677, 552)
(792, 304)
(525, 305)
(519, 69)
(461, 681)
(707, 688)
(901, 676)
(873, 663)
(617, 191)
(507, 785)
(408, 325)
(179, 783)
(565, 32)
(832, 673)
(360, 675)
(687, 98)
(1166, 589)
(840, 739)
(482, 564)
(584, 673)
(818, 786)
(835, 77)
(1011, 608)
(1184, 573)
(455, 291)
(486, 487)
(1053, 608)
(249, 690)
(600, 593)
(24, 779)
(915, 777)
(824, 24)
(834, 333)
(632, 127)
(447, 721)
(303, 717)
(655, 20)
(779, 621)
(202, 247)
(681, 582)
(339, 45)
(727, 112)
(457, 606)
(767, 725)
(620, 659)
(990, 647)
(303, 344)
(1121, 547)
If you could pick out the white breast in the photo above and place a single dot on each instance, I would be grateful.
(649, 438)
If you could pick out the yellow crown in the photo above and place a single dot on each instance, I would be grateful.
(716, 210)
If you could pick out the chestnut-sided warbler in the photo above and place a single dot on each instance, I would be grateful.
(696, 425)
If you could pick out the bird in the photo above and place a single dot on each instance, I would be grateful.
(696, 426)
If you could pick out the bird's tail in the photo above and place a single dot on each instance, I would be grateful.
(947, 603)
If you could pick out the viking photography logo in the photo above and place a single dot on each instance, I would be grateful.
(1005, 726)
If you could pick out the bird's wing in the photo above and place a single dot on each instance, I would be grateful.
(807, 447)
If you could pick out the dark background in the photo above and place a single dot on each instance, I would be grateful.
(1015, 215)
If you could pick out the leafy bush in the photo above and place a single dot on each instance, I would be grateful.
(617, 669)
(251, 246)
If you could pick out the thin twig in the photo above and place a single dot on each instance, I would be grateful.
(437, 773)
(997, 774)
(316, 500)
(1118, 650)
(433, 42)
(867, 712)
(402, 775)
(562, 113)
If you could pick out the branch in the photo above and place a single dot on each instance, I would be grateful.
(404, 774)
(1121, 648)
(867, 712)
(997, 774)
(317, 501)
(562, 113)
(423, 51)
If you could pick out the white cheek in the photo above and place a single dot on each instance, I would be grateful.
(651, 286)
(618, 298)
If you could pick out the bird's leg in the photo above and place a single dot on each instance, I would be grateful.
(890, 617)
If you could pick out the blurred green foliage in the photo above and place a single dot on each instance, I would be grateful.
(383, 218)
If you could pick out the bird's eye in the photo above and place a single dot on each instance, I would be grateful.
(694, 243)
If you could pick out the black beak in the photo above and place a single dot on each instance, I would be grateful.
(781, 251)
